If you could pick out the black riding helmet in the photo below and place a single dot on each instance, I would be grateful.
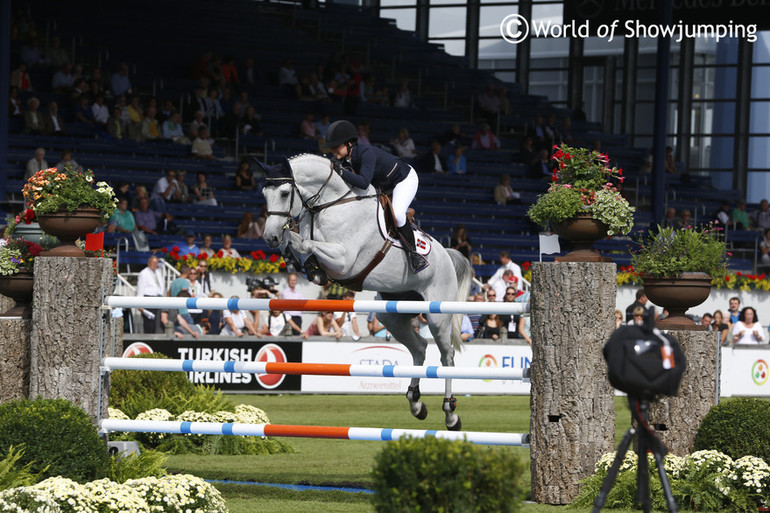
(341, 132)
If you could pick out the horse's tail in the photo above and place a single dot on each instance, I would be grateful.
(464, 278)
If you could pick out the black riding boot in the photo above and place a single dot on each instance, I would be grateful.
(314, 271)
(416, 261)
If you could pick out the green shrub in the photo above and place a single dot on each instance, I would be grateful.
(131, 466)
(136, 391)
(737, 427)
(56, 434)
(432, 474)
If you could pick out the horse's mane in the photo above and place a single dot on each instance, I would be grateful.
(307, 163)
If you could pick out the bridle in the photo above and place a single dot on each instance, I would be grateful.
(308, 203)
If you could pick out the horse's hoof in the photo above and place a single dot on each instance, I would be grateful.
(421, 413)
(457, 426)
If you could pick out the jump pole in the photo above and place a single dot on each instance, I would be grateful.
(282, 430)
(316, 369)
(320, 305)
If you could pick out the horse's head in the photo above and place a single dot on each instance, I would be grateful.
(283, 203)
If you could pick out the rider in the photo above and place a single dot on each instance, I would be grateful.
(364, 165)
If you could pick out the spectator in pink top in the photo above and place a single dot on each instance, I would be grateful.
(485, 139)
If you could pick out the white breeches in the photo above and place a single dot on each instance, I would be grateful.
(403, 194)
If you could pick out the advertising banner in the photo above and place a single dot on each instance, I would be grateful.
(745, 372)
(516, 356)
(250, 351)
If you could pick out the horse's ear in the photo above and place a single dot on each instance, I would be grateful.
(280, 170)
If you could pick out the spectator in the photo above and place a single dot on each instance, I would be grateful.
(516, 324)
(139, 192)
(124, 114)
(502, 99)
(492, 295)
(685, 219)
(762, 216)
(322, 126)
(669, 219)
(227, 250)
(244, 177)
(213, 318)
(307, 129)
(166, 190)
(457, 164)
(230, 72)
(33, 119)
(188, 247)
(489, 104)
(251, 122)
(181, 282)
(733, 311)
(637, 316)
(173, 131)
(15, 109)
(235, 321)
(720, 326)
(214, 109)
(641, 300)
(403, 99)
(504, 193)
(30, 53)
(251, 73)
(722, 216)
(404, 145)
(433, 161)
(228, 125)
(323, 326)
(748, 330)
(122, 220)
(196, 124)
(346, 321)
(542, 166)
(135, 118)
(68, 161)
(36, 163)
(278, 325)
(204, 279)
(203, 194)
(764, 249)
(63, 80)
(100, 112)
(491, 327)
(20, 78)
(55, 54)
(248, 228)
(618, 319)
(83, 112)
(287, 79)
(451, 138)
(460, 241)
(318, 89)
(565, 131)
(120, 83)
(706, 321)
(123, 190)
(375, 327)
(184, 322)
(381, 97)
(552, 131)
(485, 139)
(206, 246)
(147, 219)
(291, 292)
(150, 130)
(740, 217)
(364, 129)
(466, 329)
(528, 156)
(505, 264)
(537, 133)
(115, 126)
(150, 284)
(669, 163)
(202, 146)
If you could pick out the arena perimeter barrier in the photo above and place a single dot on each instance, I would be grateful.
(281, 430)
(317, 369)
(320, 305)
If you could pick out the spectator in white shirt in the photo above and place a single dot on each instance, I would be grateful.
(150, 284)
(505, 264)
(35, 164)
(100, 111)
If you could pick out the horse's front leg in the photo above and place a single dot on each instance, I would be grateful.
(331, 255)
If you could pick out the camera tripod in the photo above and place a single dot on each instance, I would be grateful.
(647, 441)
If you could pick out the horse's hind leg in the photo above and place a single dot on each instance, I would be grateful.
(400, 326)
(440, 326)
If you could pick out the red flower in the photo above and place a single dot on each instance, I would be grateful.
(253, 255)
(622, 269)
(554, 178)
(739, 273)
(620, 172)
(282, 265)
(220, 254)
(727, 278)
(762, 276)
(175, 249)
(32, 248)
(260, 255)
(526, 265)
(273, 258)
(29, 215)
(175, 256)
(203, 256)
(164, 250)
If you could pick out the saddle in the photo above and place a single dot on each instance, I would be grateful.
(390, 218)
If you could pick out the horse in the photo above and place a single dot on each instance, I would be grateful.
(312, 210)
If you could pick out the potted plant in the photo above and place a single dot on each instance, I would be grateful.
(678, 267)
(17, 257)
(67, 204)
(583, 203)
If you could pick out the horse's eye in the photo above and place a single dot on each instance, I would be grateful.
(284, 194)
